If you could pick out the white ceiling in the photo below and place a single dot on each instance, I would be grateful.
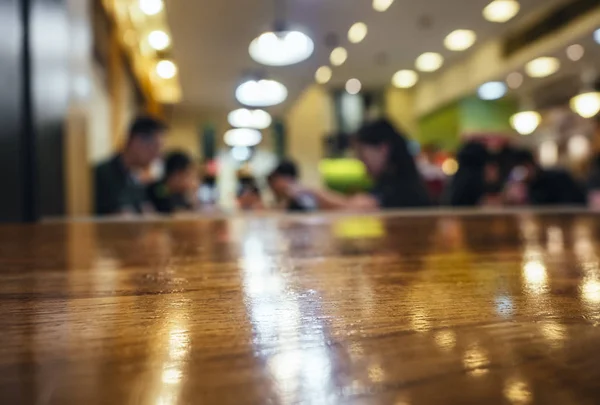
(211, 39)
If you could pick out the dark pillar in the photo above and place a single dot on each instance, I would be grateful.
(34, 55)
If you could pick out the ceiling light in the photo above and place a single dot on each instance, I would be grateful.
(165, 69)
(151, 7)
(586, 104)
(357, 32)
(575, 52)
(323, 74)
(338, 56)
(492, 90)
(514, 80)
(242, 137)
(542, 67)
(405, 79)
(261, 93)
(281, 48)
(245, 118)
(501, 11)
(382, 5)
(241, 153)
(460, 40)
(353, 86)
(597, 36)
(526, 122)
(159, 40)
(429, 62)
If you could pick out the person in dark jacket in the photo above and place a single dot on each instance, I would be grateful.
(117, 187)
(530, 184)
(467, 187)
(175, 192)
(385, 154)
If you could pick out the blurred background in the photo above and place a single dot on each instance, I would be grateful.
(243, 84)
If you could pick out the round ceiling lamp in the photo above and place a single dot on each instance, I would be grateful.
(281, 48)
(542, 67)
(429, 62)
(382, 5)
(159, 40)
(338, 56)
(492, 90)
(405, 79)
(500, 11)
(514, 80)
(460, 40)
(575, 52)
(151, 7)
(261, 93)
(241, 153)
(357, 32)
(323, 74)
(245, 118)
(242, 137)
(586, 104)
(597, 36)
(526, 122)
(165, 69)
(353, 86)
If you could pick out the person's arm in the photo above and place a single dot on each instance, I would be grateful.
(331, 200)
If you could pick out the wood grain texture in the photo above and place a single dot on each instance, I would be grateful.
(317, 310)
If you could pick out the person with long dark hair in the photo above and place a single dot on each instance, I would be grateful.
(385, 154)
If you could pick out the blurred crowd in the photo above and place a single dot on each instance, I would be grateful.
(508, 176)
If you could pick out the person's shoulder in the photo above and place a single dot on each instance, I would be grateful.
(107, 165)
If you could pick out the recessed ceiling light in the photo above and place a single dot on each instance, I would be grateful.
(159, 40)
(405, 79)
(597, 36)
(514, 80)
(460, 40)
(261, 93)
(338, 56)
(492, 90)
(151, 7)
(241, 153)
(165, 69)
(254, 119)
(586, 104)
(548, 153)
(579, 147)
(542, 67)
(357, 32)
(526, 122)
(242, 137)
(429, 62)
(382, 5)
(323, 74)
(353, 86)
(575, 52)
(281, 48)
(501, 11)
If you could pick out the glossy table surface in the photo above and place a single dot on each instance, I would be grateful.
(400, 310)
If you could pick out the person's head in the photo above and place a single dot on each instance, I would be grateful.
(382, 149)
(248, 194)
(145, 141)
(285, 173)
(180, 172)
(473, 155)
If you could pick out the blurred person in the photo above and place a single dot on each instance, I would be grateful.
(467, 188)
(249, 197)
(432, 173)
(388, 161)
(118, 189)
(530, 184)
(177, 190)
(593, 183)
(283, 176)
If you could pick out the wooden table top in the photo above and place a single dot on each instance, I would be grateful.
(398, 310)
